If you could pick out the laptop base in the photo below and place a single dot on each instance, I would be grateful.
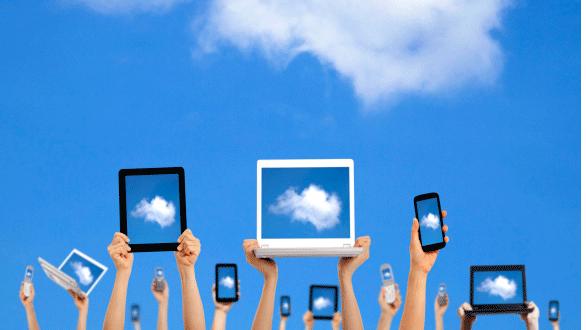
(307, 252)
(477, 311)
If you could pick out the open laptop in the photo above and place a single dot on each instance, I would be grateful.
(498, 289)
(305, 208)
(78, 272)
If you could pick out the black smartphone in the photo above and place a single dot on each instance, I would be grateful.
(554, 310)
(428, 212)
(285, 306)
(226, 283)
(135, 313)
(323, 301)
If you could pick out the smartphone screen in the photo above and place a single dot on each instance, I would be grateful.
(226, 283)
(428, 213)
(135, 312)
(554, 310)
(159, 273)
(28, 274)
(285, 305)
(387, 274)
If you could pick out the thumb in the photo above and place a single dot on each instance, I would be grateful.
(415, 230)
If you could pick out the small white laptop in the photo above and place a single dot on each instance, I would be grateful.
(305, 208)
(78, 272)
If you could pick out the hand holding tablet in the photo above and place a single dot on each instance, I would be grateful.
(188, 250)
(119, 251)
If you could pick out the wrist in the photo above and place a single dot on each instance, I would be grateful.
(186, 272)
(29, 307)
(123, 274)
(220, 313)
(345, 276)
(418, 273)
(271, 276)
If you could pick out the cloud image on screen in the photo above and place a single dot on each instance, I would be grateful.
(226, 282)
(82, 270)
(429, 222)
(498, 287)
(305, 203)
(323, 303)
(84, 274)
(153, 208)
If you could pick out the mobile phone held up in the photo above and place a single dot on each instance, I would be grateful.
(135, 313)
(159, 280)
(226, 283)
(28, 280)
(285, 306)
(428, 213)
(442, 294)
(386, 273)
(554, 310)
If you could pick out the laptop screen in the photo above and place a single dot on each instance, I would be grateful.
(83, 269)
(497, 287)
(305, 202)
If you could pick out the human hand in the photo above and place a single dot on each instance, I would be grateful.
(336, 320)
(308, 320)
(392, 308)
(188, 251)
(420, 260)
(531, 319)
(348, 265)
(24, 300)
(81, 302)
(466, 320)
(441, 310)
(268, 267)
(162, 297)
(223, 306)
(119, 251)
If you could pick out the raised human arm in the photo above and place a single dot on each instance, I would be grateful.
(122, 257)
(531, 319)
(29, 308)
(82, 303)
(388, 311)
(351, 318)
(221, 310)
(440, 311)
(283, 323)
(308, 320)
(466, 321)
(186, 256)
(162, 298)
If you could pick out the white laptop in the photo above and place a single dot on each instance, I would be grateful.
(78, 272)
(305, 208)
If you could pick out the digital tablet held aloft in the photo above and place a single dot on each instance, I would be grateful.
(226, 283)
(428, 212)
(152, 207)
(323, 301)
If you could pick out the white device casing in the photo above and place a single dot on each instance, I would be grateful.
(390, 294)
(27, 289)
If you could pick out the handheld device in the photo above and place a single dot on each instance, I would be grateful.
(388, 279)
(159, 279)
(429, 214)
(135, 312)
(554, 310)
(285, 305)
(442, 294)
(323, 301)
(28, 280)
(226, 283)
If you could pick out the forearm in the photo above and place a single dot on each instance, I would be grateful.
(82, 320)
(532, 325)
(193, 316)
(117, 306)
(465, 325)
(414, 313)
(283, 324)
(162, 322)
(219, 320)
(351, 318)
(31, 317)
(263, 318)
(384, 321)
(439, 322)
(555, 325)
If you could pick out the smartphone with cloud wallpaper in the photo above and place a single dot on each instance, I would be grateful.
(554, 310)
(428, 213)
(285, 306)
(226, 283)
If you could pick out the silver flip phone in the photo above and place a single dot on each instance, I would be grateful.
(388, 279)
(442, 294)
(28, 280)
(159, 279)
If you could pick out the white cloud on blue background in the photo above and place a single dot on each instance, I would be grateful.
(500, 286)
(158, 210)
(227, 281)
(313, 205)
(322, 302)
(431, 221)
(84, 274)
(127, 6)
(383, 48)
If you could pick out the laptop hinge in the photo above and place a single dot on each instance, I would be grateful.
(347, 245)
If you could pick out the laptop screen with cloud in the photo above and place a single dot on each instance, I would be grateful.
(86, 271)
(497, 287)
(226, 282)
(429, 224)
(153, 208)
(301, 203)
(323, 301)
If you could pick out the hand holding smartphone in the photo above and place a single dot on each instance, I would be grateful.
(428, 212)
(388, 280)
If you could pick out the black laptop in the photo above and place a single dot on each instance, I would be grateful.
(498, 289)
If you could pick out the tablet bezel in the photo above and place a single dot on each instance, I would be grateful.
(315, 286)
(151, 247)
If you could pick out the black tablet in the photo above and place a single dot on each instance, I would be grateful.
(152, 207)
(323, 301)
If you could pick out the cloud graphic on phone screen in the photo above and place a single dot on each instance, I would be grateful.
(430, 221)
(158, 210)
(227, 281)
(322, 302)
(500, 286)
(84, 274)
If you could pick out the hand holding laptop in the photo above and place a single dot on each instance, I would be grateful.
(420, 260)
(81, 302)
(268, 267)
(119, 251)
(466, 320)
(348, 265)
(531, 319)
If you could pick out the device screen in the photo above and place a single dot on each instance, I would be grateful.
(226, 283)
(135, 312)
(28, 274)
(498, 287)
(324, 302)
(554, 310)
(387, 273)
(285, 305)
(159, 273)
(429, 216)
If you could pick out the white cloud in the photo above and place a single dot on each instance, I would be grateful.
(322, 302)
(384, 48)
(227, 281)
(314, 205)
(127, 6)
(430, 220)
(84, 274)
(500, 286)
(157, 210)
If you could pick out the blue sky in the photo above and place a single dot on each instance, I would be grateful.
(499, 287)
(85, 272)
(227, 282)
(324, 301)
(305, 203)
(86, 93)
(151, 219)
(429, 222)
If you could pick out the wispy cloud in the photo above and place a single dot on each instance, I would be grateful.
(322, 302)
(227, 281)
(158, 210)
(384, 48)
(127, 6)
(84, 274)
(500, 286)
(314, 205)
(431, 221)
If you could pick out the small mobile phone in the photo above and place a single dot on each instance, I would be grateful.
(226, 283)
(28, 280)
(135, 312)
(428, 212)
(159, 279)
(388, 279)
(442, 294)
(285, 306)
(554, 310)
